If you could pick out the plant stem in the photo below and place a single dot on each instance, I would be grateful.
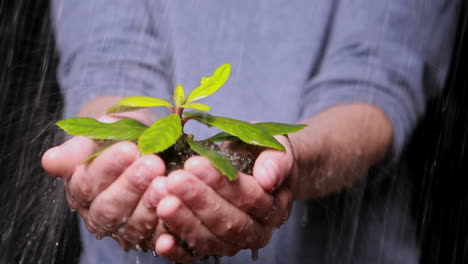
(179, 111)
(185, 119)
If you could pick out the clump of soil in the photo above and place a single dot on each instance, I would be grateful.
(175, 156)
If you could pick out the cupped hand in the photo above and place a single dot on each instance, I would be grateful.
(202, 213)
(109, 193)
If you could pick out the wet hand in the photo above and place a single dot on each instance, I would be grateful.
(203, 214)
(109, 193)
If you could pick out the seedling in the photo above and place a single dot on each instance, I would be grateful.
(168, 132)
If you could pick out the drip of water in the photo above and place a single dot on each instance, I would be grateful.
(254, 254)
(138, 248)
(217, 259)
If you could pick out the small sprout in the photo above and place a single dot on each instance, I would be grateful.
(168, 132)
(179, 95)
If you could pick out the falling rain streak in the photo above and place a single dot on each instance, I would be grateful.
(37, 225)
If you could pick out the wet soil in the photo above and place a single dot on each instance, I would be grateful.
(175, 156)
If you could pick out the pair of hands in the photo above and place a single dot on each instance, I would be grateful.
(183, 216)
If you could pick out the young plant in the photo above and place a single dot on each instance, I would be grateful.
(168, 131)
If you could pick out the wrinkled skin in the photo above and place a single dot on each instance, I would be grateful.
(125, 195)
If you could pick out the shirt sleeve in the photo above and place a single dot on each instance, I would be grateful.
(108, 47)
(392, 54)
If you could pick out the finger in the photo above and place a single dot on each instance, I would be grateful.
(90, 180)
(156, 192)
(256, 202)
(159, 231)
(223, 219)
(272, 167)
(166, 246)
(62, 160)
(185, 225)
(115, 204)
(83, 211)
(143, 221)
(283, 206)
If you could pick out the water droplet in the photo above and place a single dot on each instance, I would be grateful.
(254, 254)
(124, 220)
(72, 210)
(56, 244)
(138, 248)
(121, 230)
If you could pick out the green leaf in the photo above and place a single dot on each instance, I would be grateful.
(95, 154)
(209, 85)
(120, 108)
(222, 136)
(195, 114)
(179, 95)
(199, 107)
(274, 129)
(247, 132)
(161, 135)
(143, 101)
(271, 128)
(125, 129)
(133, 103)
(220, 162)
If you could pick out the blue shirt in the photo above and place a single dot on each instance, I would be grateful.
(291, 59)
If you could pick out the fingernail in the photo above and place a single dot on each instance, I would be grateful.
(272, 171)
(160, 185)
(157, 190)
(191, 163)
(168, 206)
(142, 178)
(178, 184)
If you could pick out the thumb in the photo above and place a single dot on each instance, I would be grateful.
(62, 160)
(273, 167)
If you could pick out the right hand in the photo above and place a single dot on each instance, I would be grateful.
(111, 193)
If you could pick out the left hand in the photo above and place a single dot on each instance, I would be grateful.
(213, 216)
